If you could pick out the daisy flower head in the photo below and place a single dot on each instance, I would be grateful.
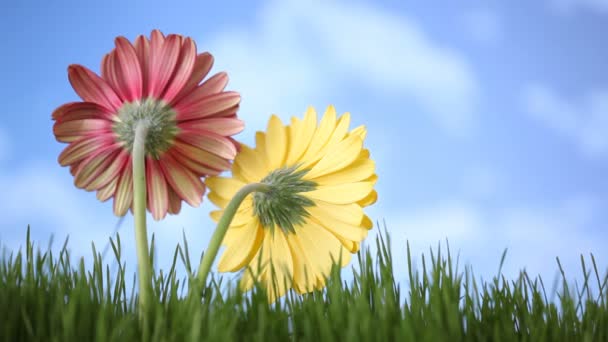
(320, 179)
(189, 122)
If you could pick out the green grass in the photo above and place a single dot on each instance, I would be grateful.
(44, 297)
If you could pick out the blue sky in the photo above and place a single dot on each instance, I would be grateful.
(488, 120)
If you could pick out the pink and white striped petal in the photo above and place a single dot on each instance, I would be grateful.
(81, 110)
(185, 183)
(130, 75)
(110, 171)
(198, 108)
(202, 66)
(142, 48)
(182, 73)
(69, 131)
(158, 198)
(106, 192)
(163, 61)
(82, 148)
(194, 166)
(92, 88)
(201, 157)
(175, 203)
(123, 198)
(221, 126)
(94, 165)
(209, 142)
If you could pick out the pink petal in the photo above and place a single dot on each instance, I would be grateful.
(110, 171)
(92, 88)
(123, 198)
(209, 141)
(107, 190)
(109, 73)
(206, 106)
(184, 182)
(84, 147)
(69, 131)
(130, 76)
(80, 110)
(175, 203)
(94, 165)
(163, 61)
(142, 48)
(158, 198)
(201, 157)
(194, 166)
(221, 126)
(202, 66)
(183, 71)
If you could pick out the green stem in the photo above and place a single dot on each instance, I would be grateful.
(222, 228)
(139, 213)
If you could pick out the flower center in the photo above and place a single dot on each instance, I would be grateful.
(160, 118)
(283, 205)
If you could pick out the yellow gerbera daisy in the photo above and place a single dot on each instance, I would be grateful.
(321, 177)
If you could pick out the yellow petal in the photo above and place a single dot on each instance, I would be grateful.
(360, 170)
(360, 131)
(224, 187)
(282, 265)
(244, 243)
(337, 157)
(341, 193)
(249, 165)
(337, 135)
(322, 249)
(276, 143)
(223, 202)
(369, 199)
(320, 137)
(301, 133)
(257, 266)
(348, 213)
(303, 274)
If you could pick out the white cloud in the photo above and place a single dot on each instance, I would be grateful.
(482, 25)
(534, 235)
(585, 122)
(301, 53)
(568, 6)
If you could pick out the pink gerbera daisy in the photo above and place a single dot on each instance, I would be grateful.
(157, 80)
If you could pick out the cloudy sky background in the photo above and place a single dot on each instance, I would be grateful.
(488, 121)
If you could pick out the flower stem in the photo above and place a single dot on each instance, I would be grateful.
(139, 213)
(222, 228)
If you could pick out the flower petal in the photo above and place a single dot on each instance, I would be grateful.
(142, 48)
(163, 60)
(200, 156)
(124, 190)
(156, 187)
(175, 203)
(248, 165)
(108, 190)
(94, 165)
(276, 143)
(360, 170)
(245, 243)
(82, 148)
(209, 142)
(182, 73)
(300, 136)
(69, 131)
(185, 183)
(110, 170)
(202, 66)
(337, 157)
(320, 137)
(221, 126)
(130, 76)
(341, 193)
(92, 88)
(192, 165)
(207, 106)
(280, 278)
(224, 187)
(81, 110)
